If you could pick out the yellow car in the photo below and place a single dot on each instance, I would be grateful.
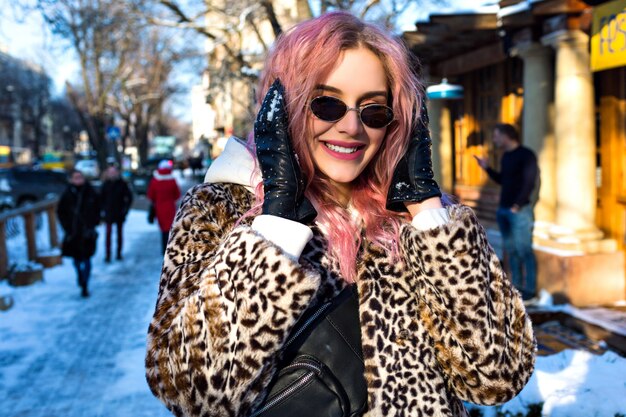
(6, 157)
(57, 160)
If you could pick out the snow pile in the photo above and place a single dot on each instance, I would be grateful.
(571, 383)
(575, 383)
(26, 266)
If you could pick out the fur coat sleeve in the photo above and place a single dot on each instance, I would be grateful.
(483, 339)
(227, 300)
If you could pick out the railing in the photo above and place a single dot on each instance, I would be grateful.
(29, 213)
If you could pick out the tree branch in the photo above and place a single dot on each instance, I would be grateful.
(183, 18)
(271, 16)
(368, 6)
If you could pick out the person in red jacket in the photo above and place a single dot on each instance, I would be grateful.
(163, 192)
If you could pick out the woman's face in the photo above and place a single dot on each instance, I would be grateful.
(341, 150)
(77, 179)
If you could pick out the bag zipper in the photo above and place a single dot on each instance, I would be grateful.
(314, 369)
(308, 323)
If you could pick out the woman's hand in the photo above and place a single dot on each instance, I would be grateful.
(413, 183)
(283, 184)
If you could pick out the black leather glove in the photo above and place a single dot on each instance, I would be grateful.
(283, 184)
(413, 179)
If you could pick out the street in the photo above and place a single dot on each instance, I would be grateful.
(61, 355)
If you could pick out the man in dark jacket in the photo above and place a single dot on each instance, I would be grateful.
(116, 201)
(79, 214)
(518, 177)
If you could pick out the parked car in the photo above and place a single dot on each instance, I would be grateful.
(58, 161)
(26, 185)
(6, 157)
(89, 168)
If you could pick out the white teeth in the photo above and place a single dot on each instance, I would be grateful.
(340, 149)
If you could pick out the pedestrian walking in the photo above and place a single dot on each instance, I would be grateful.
(116, 201)
(195, 164)
(518, 178)
(163, 193)
(79, 214)
(317, 271)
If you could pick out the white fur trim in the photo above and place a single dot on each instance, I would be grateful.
(431, 218)
(288, 235)
(165, 164)
(234, 165)
(159, 177)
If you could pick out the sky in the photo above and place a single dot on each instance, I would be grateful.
(27, 37)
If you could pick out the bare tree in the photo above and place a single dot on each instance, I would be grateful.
(238, 34)
(231, 27)
(147, 85)
(126, 66)
(101, 34)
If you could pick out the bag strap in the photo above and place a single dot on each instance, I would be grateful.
(341, 309)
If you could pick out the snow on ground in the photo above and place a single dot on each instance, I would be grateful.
(572, 383)
(64, 356)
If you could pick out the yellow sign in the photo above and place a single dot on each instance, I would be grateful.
(608, 42)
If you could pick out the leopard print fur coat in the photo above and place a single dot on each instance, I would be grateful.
(441, 326)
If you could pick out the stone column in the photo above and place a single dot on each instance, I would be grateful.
(441, 135)
(537, 131)
(574, 129)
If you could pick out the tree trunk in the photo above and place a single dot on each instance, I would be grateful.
(98, 140)
(142, 144)
(304, 10)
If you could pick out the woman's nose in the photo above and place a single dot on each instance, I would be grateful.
(350, 123)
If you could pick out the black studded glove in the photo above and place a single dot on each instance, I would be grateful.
(413, 179)
(283, 184)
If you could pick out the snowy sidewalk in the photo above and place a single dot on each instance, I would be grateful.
(64, 356)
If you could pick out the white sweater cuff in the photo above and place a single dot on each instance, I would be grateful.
(431, 218)
(289, 235)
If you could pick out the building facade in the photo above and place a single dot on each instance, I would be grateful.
(24, 99)
(529, 63)
(234, 62)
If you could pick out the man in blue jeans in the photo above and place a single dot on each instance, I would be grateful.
(518, 179)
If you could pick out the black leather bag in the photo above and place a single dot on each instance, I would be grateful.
(321, 373)
(151, 213)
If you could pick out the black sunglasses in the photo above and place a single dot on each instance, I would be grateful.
(331, 109)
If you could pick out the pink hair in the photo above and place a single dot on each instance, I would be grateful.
(303, 58)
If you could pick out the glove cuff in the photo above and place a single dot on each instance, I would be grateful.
(303, 212)
(395, 201)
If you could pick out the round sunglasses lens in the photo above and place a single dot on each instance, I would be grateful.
(376, 116)
(328, 108)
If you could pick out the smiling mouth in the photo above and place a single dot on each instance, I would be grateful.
(343, 149)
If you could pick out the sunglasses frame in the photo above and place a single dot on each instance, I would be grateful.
(358, 109)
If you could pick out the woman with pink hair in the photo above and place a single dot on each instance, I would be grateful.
(317, 270)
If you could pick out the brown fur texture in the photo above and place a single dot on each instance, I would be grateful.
(441, 326)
